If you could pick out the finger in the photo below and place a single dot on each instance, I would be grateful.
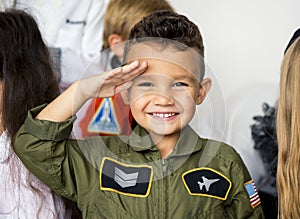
(130, 75)
(128, 71)
(130, 67)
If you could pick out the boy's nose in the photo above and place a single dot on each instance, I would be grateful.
(163, 100)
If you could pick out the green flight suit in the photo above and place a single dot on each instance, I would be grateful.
(125, 177)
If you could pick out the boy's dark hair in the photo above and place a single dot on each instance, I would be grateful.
(166, 25)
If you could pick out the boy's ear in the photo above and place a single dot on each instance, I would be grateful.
(203, 90)
(114, 40)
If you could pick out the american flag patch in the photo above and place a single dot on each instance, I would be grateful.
(252, 192)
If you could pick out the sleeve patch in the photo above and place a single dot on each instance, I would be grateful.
(206, 182)
(125, 179)
(252, 193)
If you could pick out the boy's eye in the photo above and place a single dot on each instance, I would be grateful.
(145, 84)
(180, 84)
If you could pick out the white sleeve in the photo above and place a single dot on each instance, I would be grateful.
(93, 31)
(84, 51)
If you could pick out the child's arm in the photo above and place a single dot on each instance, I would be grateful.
(244, 202)
(102, 85)
(43, 146)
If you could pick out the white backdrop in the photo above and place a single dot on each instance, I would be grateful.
(244, 44)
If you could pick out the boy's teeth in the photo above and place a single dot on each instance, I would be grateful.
(163, 115)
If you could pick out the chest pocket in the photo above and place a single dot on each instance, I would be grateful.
(70, 35)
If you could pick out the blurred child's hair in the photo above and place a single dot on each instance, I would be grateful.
(27, 79)
(121, 15)
(25, 69)
(167, 28)
(288, 134)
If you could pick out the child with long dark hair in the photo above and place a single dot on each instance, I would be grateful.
(26, 80)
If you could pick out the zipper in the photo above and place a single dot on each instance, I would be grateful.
(164, 167)
(164, 188)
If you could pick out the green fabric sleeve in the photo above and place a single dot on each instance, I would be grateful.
(42, 146)
(240, 206)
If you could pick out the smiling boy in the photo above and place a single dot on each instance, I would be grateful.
(163, 169)
(164, 98)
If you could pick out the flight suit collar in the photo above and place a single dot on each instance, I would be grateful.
(187, 143)
(140, 140)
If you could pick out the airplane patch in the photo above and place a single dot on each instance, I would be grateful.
(105, 120)
(126, 179)
(206, 182)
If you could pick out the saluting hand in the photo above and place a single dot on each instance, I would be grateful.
(109, 83)
(102, 85)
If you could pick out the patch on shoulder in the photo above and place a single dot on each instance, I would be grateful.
(126, 179)
(252, 193)
(206, 182)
